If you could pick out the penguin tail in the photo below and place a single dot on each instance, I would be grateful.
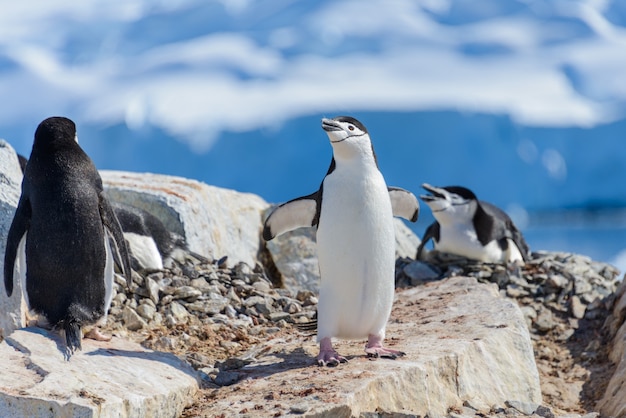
(73, 335)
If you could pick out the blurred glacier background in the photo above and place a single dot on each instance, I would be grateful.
(523, 101)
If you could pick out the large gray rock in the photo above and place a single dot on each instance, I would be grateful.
(113, 379)
(215, 222)
(464, 344)
(612, 403)
(12, 310)
(295, 254)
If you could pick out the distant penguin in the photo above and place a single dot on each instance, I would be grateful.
(353, 211)
(151, 245)
(59, 243)
(471, 228)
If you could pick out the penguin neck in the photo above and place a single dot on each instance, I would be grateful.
(355, 155)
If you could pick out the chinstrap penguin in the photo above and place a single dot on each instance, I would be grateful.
(151, 245)
(64, 235)
(353, 211)
(471, 228)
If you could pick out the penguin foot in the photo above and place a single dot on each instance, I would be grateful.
(375, 349)
(328, 356)
(95, 334)
(330, 359)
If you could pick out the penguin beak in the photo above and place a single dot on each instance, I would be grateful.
(436, 193)
(330, 125)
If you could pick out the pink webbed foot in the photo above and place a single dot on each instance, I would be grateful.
(328, 356)
(375, 348)
(96, 334)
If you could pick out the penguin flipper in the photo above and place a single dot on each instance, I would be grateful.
(19, 227)
(404, 203)
(431, 232)
(113, 228)
(297, 213)
(502, 227)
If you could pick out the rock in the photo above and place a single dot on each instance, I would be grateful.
(178, 312)
(467, 343)
(612, 403)
(545, 321)
(214, 221)
(12, 311)
(420, 272)
(132, 320)
(577, 307)
(295, 255)
(526, 408)
(105, 379)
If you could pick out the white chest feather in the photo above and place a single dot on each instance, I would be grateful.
(462, 240)
(145, 251)
(356, 251)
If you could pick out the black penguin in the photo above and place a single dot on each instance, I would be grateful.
(152, 246)
(64, 234)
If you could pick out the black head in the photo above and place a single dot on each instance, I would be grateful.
(465, 193)
(353, 121)
(54, 129)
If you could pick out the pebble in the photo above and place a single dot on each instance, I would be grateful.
(146, 311)
(577, 307)
(525, 408)
(299, 408)
(227, 378)
(132, 320)
(178, 312)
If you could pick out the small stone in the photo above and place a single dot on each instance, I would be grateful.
(303, 295)
(200, 284)
(227, 378)
(582, 286)
(232, 295)
(565, 335)
(187, 292)
(178, 312)
(299, 408)
(146, 311)
(253, 300)
(262, 286)
(310, 301)
(230, 312)
(544, 412)
(515, 291)
(132, 320)
(292, 308)
(557, 281)
(420, 272)
(152, 289)
(545, 321)
(577, 307)
(277, 316)
(167, 343)
(120, 298)
(229, 345)
(527, 408)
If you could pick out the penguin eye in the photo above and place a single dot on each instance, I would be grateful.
(351, 127)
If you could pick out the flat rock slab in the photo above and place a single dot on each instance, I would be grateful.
(106, 379)
(463, 342)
